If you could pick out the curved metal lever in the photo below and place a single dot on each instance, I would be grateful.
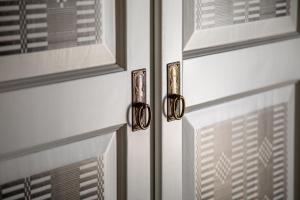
(142, 121)
(177, 110)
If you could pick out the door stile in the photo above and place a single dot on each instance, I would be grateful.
(138, 57)
(168, 44)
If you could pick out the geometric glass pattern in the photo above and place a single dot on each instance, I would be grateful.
(38, 25)
(265, 152)
(82, 180)
(244, 157)
(216, 13)
(223, 168)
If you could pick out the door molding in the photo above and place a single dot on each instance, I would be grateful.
(120, 65)
(19, 84)
(58, 143)
(237, 46)
(116, 144)
(200, 106)
(198, 52)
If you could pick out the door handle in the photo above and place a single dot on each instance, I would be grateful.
(141, 111)
(143, 122)
(175, 101)
(178, 106)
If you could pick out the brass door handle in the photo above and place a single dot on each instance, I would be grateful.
(175, 101)
(141, 111)
(144, 110)
(178, 106)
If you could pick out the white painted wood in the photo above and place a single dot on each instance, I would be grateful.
(171, 136)
(102, 147)
(45, 114)
(291, 145)
(213, 77)
(138, 56)
(202, 38)
(194, 121)
(57, 157)
(243, 32)
(34, 118)
(61, 60)
(239, 107)
(109, 25)
(110, 167)
(30, 65)
(188, 157)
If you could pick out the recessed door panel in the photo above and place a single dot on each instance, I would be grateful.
(214, 23)
(213, 77)
(239, 65)
(80, 170)
(47, 37)
(241, 149)
(64, 109)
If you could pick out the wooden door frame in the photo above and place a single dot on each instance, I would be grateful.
(70, 75)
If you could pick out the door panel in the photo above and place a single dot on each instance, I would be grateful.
(217, 22)
(87, 167)
(171, 136)
(55, 112)
(241, 149)
(138, 143)
(77, 33)
(223, 82)
(235, 72)
(62, 121)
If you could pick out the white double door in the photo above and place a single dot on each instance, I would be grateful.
(74, 140)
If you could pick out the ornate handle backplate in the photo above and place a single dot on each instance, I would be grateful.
(141, 111)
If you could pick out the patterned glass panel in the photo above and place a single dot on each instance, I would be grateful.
(244, 157)
(38, 25)
(215, 13)
(81, 180)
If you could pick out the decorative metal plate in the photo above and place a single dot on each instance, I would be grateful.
(173, 81)
(139, 95)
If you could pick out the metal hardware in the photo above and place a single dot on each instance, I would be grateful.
(176, 102)
(141, 111)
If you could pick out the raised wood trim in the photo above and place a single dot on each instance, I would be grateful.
(120, 65)
(239, 45)
(24, 83)
(58, 143)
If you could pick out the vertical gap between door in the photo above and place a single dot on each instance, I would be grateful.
(156, 84)
(297, 143)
